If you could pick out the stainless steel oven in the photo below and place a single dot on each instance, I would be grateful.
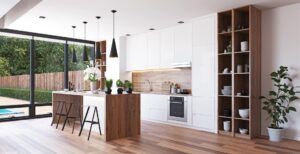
(177, 109)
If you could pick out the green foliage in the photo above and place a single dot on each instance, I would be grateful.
(119, 83)
(108, 83)
(93, 77)
(4, 67)
(278, 103)
(41, 96)
(128, 84)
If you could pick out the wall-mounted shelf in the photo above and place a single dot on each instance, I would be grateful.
(245, 22)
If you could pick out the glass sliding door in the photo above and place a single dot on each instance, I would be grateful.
(14, 77)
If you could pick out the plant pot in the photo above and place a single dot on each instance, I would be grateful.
(129, 90)
(93, 87)
(275, 135)
(108, 91)
(120, 90)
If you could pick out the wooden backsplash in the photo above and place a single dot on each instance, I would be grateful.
(182, 77)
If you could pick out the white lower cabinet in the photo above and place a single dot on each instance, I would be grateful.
(154, 107)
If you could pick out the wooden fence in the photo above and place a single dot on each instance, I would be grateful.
(45, 81)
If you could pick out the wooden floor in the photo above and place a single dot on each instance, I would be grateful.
(37, 136)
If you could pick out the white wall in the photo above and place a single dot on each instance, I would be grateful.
(281, 46)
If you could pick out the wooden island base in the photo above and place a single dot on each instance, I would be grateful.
(121, 113)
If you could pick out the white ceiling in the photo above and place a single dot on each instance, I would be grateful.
(133, 16)
(6, 5)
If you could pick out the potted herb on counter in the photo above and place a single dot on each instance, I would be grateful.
(278, 103)
(120, 86)
(108, 85)
(128, 86)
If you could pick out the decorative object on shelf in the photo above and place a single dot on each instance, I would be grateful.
(225, 51)
(74, 57)
(278, 104)
(227, 90)
(92, 74)
(120, 86)
(229, 47)
(246, 68)
(244, 93)
(244, 46)
(229, 29)
(226, 71)
(108, 85)
(243, 130)
(113, 51)
(239, 94)
(244, 113)
(226, 126)
(227, 112)
(98, 48)
(239, 68)
(128, 86)
(85, 54)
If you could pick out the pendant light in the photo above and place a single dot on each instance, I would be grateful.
(113, 50)
(98, 48)
(74, 57)
(85, 55)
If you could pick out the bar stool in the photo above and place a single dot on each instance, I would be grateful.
(76, 106)
(59, 112)
(91, 121)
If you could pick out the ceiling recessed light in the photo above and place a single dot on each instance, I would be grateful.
(128, 34)
(151, 29)
(180, 22)
(42, 17)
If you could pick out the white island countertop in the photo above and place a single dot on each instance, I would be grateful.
(83, 93)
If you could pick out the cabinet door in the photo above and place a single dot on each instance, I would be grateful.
(153, 50)
(203, 113)
(129, 54)
(154, 107)
(183, 43)
(141, 52)
(167, 48)
(203, 70)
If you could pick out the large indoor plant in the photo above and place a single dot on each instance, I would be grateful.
(120, 86)
(92, 73)
(278, 103)
(108, 85)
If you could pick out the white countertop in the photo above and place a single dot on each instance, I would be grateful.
(84, 93)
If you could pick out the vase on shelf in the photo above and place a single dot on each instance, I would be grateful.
(93, 87)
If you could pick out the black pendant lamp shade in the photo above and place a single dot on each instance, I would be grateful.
(113, 50)
(85, 54)
(74, 57)
(98, 48)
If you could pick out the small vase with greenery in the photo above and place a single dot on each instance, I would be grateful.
(120, 86)
(278, 103)
(128, 86)
(108, 85)
(92, 74)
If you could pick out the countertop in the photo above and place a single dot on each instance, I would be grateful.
(161, 93)
(84, 93)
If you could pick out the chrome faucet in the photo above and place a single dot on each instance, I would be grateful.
(150, 84)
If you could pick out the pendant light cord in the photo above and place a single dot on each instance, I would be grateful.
(114, 25)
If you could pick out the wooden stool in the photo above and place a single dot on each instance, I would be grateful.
(92, 121)
(59, 112)
(77, 114)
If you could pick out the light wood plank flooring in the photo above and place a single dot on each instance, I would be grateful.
(37, 136)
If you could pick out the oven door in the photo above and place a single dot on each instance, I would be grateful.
(177, 110)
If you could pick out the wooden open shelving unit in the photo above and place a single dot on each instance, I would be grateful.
(102, 62)
(235, 26)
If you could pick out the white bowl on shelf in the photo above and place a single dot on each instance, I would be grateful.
(244, 113)
(227, 88)
(226, 92)
(243, 130)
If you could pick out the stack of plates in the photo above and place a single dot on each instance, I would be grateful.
(227, 90)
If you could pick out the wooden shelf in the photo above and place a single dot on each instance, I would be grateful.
(241, 21)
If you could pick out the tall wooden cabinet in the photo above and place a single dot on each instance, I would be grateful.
(241, 81)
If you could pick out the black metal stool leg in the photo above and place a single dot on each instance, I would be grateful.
(55, 114)
(87, 111)
(62, 107)
(68, 113)
(92, 123)
(97, 114)
(78, 114)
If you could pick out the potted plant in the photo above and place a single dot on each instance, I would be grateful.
(278, 104)
(128, 86)
(108, 85)
(92, 74)
(120, 86)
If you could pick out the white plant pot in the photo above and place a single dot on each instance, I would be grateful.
(244, 46)
(275, 135)
(93, 87)
(226, 125)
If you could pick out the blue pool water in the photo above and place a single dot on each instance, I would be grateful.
(6, 111)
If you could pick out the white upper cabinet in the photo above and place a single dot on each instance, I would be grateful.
(153, 39)
(183, 43)
(167, 48)
(137, 53)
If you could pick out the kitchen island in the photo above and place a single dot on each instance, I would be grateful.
(119, 114)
